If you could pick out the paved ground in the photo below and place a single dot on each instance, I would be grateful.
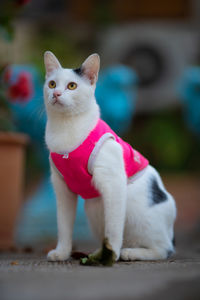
(26, 276)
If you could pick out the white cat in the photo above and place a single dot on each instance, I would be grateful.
(134, 219)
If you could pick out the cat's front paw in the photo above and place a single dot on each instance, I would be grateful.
(58, 255)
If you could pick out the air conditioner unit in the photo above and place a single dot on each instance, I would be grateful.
(158, 52)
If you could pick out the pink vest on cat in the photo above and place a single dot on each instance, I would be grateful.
(76, 166)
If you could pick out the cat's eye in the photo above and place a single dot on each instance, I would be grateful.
(72, 86)
(52, 84)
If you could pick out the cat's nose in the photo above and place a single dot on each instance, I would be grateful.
(57, 93)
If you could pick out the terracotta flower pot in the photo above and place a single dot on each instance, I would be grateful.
(12, 152)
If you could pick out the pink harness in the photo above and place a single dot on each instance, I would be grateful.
(76, 167)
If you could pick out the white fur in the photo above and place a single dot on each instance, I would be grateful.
(135, 229)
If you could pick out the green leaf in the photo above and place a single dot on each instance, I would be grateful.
(84, 260)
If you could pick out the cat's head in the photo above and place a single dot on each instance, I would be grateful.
(70, 91)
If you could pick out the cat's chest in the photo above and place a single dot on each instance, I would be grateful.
(64, 135)
(62, 140)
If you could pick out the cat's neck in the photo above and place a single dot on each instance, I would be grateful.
(64, 133)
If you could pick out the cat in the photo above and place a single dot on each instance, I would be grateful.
(132, 217)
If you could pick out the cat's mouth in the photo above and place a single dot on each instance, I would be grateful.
(56, 101)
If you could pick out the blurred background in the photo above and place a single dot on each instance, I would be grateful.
(148, 91)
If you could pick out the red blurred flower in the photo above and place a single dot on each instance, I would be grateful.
(22, 90)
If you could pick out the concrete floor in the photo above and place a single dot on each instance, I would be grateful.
(28, 276)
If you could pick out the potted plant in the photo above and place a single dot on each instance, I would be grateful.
(12, 143)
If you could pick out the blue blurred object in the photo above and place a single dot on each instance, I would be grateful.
(116, 95)
(189, 91)
(37, 221)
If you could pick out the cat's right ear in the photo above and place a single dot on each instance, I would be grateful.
(51, 62)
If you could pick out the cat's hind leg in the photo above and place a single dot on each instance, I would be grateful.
(131, 254)
(150, 215)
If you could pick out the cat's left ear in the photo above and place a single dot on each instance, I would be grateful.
(90, 68)
(51, 62)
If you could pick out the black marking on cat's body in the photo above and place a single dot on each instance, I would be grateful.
(174, 241)
(78, 71)
(157, 194)
(169, 253)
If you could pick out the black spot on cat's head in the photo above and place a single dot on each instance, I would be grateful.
(157, 194)
(78, 71)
